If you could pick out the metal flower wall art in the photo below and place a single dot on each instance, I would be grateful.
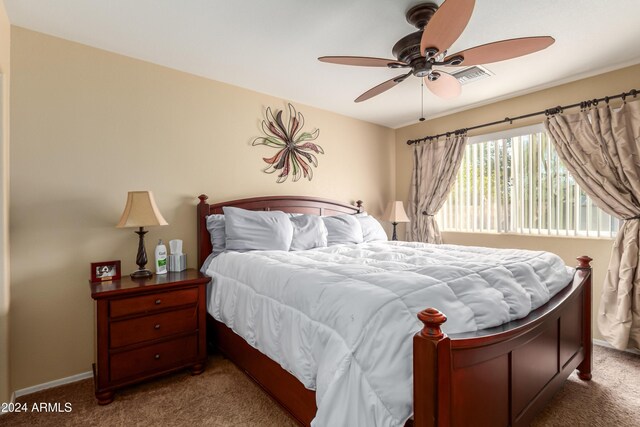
(296, 153)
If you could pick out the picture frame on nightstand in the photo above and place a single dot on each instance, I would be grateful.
(105, 271)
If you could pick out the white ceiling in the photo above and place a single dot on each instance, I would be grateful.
(272, 46)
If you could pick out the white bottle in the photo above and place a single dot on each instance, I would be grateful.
(161, 258)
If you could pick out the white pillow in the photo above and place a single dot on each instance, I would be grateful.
(216, 225)
(309, 232)
(372, 230)
(257, 230)
(342, 229)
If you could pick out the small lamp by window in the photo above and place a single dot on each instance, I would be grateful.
(394, 214)
(141, 211)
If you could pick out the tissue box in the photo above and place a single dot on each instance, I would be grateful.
(178, 262)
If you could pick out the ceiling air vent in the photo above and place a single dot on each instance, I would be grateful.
(471, 74)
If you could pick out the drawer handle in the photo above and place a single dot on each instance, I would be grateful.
(158, 301)
(157, 326)
(157, 356)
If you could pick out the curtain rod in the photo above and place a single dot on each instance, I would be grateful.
(547, 112)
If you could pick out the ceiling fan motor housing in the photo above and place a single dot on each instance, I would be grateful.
(407, 49)
(418, 16)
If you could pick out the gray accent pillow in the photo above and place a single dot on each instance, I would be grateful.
(342, 229)
(372, 230)
(309, 232)
(257, 230)
(216, 227)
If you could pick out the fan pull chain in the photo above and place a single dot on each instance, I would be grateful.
(421, 100)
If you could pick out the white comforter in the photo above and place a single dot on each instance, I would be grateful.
(341, 319)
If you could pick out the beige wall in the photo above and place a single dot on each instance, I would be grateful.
(87, 126)
(5, 40)
(595, 87)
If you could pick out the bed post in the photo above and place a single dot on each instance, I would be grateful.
(584, 368)
(202, 211)
(431, 371)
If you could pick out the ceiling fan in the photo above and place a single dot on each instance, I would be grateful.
(421, 51)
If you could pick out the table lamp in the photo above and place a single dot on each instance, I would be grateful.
(394, 214)
(141, 211)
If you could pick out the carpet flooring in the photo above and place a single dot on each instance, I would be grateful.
(223, 396)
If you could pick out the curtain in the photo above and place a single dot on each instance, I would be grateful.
(600, 147)
(435, 166)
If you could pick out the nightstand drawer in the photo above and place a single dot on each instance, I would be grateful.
(151, 302)
(125, 332)
(153, 358)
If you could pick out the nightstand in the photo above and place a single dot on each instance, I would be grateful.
(148, 327)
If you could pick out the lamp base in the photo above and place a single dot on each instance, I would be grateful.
(141, 274)
(395, 236)
(141, 259)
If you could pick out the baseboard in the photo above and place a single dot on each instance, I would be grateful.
(51, 384)
(606, 344)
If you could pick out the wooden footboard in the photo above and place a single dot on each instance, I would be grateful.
(502, 376)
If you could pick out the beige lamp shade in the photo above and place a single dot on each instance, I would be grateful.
(141, 211)
(395, 213)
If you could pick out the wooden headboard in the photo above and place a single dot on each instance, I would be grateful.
(289, 204)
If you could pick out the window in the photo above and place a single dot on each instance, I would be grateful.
(514, 182)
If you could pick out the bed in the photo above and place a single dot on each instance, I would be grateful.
(498, 376)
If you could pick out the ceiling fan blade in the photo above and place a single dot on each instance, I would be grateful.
(362, 61)
(377, 90)
(445, 86)
(502, 50)
(446, 25)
